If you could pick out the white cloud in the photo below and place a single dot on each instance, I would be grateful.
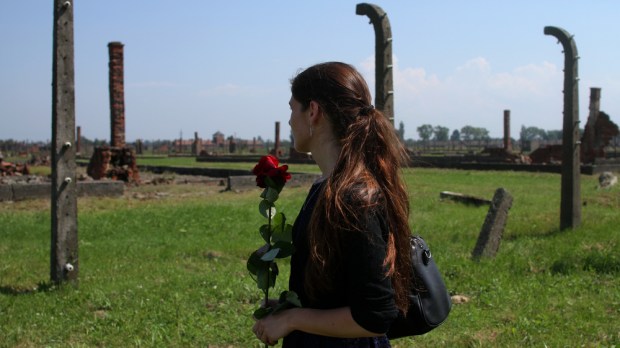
(476, 65)
(415, 81)
(474, 94)
(531, 79)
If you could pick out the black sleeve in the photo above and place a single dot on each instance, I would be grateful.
(369, 290)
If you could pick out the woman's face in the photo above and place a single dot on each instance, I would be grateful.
(300, 126)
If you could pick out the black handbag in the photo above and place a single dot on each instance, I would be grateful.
(429, 300)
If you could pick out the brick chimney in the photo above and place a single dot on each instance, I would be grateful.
(78, 140)
(276, 146)
(507, 141)
(117, 95)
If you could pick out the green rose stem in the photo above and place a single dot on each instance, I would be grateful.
(267, 290)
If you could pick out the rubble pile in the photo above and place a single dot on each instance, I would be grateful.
(11, 169)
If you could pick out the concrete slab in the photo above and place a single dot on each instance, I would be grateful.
(18, 192)
(101, 188)
(6, 193)
(31, 191)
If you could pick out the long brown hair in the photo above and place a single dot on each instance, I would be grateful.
(366, 178)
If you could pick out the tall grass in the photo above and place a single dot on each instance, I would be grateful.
(168, 268)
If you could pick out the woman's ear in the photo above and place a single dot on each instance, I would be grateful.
(315, 112)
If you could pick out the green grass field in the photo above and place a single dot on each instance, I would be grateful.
(191, 162)
(164, 266)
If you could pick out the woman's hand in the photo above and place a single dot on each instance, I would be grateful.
(273, 327)
(270, 304)
(337, 322)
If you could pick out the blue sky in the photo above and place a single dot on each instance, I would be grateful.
(207, 66)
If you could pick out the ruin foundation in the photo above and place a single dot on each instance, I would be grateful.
(114, 163)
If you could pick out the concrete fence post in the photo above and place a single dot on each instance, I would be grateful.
(384, 82)
(570, 206)
(493, 228)
(64, 248)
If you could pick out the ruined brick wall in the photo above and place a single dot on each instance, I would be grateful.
(598, 131)
(99, 163)
(114, 163)
(598, 136)
(588, 149)
(550, 154)
(117, 95)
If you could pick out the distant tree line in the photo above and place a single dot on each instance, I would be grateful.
(428, 132)
(535, 133)
(437, 136)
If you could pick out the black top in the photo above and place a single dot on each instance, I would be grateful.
(361, 281)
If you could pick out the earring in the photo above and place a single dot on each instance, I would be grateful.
(310, 131)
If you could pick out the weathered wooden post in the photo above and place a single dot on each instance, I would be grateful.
(384, 82)
(493, 228)
(64, 251)
(570, 211)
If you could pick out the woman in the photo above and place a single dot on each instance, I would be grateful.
(351, 260)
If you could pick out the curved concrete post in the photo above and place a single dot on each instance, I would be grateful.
(570, 212)
(384, 85)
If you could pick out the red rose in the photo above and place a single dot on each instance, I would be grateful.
(267, 167)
